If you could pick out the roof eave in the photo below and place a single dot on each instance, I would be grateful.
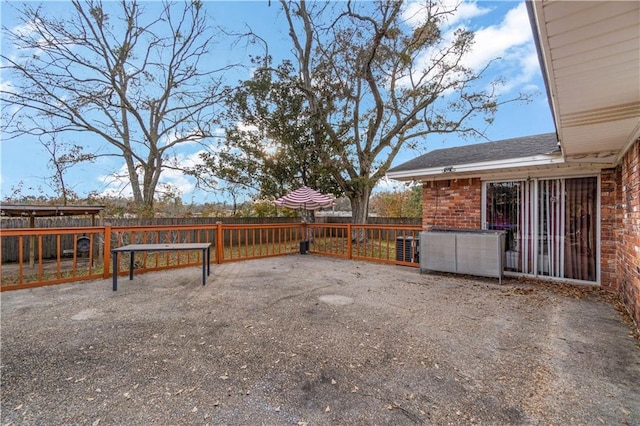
(477, 168)
(533, 10)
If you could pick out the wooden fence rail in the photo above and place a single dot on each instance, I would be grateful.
(85, 253)
(9, 246)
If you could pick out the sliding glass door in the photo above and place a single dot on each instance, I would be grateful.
(581, 219)
(550, 224)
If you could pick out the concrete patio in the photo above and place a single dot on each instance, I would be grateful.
(316, 340)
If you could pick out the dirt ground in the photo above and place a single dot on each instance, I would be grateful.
(316, 340)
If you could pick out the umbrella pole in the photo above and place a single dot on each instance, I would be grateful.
(304, 245)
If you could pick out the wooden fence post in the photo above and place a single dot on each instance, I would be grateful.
(219, 243)
(106, 261)
(349, 241)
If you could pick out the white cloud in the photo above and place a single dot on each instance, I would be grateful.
(117, 184)
(243, 127)
(176, 178)
(509, 43)
(385, 184)
(25, 29)
(502, 40)
(453, 11)
(521, 69)
(6, 86)
(29, 30)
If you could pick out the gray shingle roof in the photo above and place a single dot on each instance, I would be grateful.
(527, 146)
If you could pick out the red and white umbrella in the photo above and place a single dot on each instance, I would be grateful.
(305, 198)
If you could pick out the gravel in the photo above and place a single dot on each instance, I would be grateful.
(316, 340)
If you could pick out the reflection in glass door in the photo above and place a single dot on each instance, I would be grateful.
(550, 225)
(503, 212)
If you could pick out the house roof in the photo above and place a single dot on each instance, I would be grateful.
(506, 154)
(527, 146)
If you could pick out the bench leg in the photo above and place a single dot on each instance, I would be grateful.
(204, 260)
(131, 256)
(114, 257)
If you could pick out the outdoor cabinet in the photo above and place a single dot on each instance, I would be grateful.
(467, 252)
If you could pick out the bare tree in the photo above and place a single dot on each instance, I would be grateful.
(63, 156)
(375, 84)
(142, 83)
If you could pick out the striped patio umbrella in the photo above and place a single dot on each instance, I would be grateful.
(305, 198)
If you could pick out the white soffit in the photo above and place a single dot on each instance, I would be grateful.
(591, 53)
(475, 169)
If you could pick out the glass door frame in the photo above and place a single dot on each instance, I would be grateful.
(533, 195)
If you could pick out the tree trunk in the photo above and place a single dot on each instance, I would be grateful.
(360, 206)
(359, 212)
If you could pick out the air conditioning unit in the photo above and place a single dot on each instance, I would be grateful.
(407, 249)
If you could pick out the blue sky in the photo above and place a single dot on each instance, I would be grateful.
(502, 31)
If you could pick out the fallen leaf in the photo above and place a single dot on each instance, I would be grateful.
(224, 377)
(97, 422)
(18, 407)
(327, 410)
(333, 382)
(194, 410)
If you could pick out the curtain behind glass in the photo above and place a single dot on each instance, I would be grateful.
(580, 228)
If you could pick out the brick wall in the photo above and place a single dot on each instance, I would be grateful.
(628, 258)
(610, 227)
(455, 203)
